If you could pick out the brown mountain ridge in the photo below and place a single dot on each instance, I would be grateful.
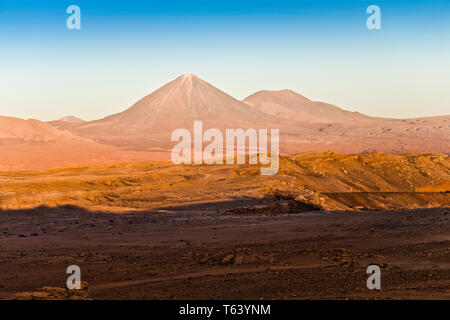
(305, 125)
(142, 132)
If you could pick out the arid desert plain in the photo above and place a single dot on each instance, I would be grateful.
(351, 191)
(154, 230)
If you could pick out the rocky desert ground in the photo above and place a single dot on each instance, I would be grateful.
(155, 230)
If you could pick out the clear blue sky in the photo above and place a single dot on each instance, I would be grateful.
(127, 49)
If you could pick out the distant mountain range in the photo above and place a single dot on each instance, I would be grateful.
(143, 130)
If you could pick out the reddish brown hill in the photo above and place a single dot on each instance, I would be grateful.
(71, 119)
(291, 105)
(67, 123)
(327, 127)
(19, 130)
(32, 144)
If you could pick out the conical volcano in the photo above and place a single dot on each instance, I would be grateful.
(304, 125)
(177, 105)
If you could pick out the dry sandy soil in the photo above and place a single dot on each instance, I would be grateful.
(197, 253)
(155, 230)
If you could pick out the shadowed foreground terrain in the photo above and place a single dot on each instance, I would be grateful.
(202, 254)
(154, 230)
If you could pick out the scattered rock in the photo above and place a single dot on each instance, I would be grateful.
(241, 256)
(275, 206)
(55, 293)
